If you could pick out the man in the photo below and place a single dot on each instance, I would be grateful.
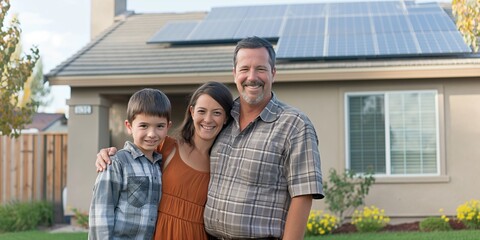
(265, 165)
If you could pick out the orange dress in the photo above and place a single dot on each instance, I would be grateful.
(184, 194)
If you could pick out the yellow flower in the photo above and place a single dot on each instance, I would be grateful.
(309, 226)
(320, 223)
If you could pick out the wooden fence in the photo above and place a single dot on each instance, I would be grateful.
(34, 167)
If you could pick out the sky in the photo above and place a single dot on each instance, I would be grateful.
(60, 28)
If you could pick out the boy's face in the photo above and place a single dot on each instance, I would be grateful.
(148, 132)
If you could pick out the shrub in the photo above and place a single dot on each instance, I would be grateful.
(320, 223)
(370, 219)
(21, 216)
(346, 191)
(81, 218)
(469, 214)
(431, 224)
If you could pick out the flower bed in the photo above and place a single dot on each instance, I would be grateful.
(402, 227)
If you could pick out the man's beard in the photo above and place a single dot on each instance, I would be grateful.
(253, 101)
(256, 100)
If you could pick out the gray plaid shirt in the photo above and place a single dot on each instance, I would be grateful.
(126, 196)
(256, 172)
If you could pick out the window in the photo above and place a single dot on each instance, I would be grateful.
(393, 133)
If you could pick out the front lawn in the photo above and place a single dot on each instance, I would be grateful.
(450, 235)
(39, 235)
(447, 235)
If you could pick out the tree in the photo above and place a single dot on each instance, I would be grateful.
(14, 74)
(467, 18)
(34, 88)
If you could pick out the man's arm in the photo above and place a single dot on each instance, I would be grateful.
(103, 158)
(297, 217)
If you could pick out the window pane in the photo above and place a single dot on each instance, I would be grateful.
(413, 139)
(366, 133)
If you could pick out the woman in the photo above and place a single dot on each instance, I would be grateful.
(186, 164)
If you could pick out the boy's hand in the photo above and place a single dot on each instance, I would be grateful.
(103, 158)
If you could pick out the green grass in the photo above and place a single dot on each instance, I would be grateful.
(39, 235)
(450, 235)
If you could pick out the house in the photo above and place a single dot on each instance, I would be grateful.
(47, 122)
(405, 102)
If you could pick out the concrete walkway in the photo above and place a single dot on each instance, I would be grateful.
(67, 228)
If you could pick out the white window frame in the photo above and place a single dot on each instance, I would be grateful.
(387, 132)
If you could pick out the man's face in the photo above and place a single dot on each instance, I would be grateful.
(253, 75)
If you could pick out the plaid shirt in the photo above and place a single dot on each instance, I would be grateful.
(256, 172)
(126, 196)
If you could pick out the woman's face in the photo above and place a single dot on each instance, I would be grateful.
(208, 118)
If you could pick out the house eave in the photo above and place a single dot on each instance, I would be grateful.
(140, 79)
(380, 73)
(283, 75)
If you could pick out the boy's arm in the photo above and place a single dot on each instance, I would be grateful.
(106, 193)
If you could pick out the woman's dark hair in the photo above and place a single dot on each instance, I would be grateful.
(220, 93)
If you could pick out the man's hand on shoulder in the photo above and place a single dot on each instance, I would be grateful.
(103, 158)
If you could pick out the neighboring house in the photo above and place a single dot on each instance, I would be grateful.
(47, 122)
(412, 116)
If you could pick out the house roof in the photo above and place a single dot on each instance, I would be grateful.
(42, 121)
(122, 52)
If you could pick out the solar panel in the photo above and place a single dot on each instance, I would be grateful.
(390, 24)
(329, 30)
(304, 26)
(174, 31)
(441, 42)
(398, 43)
(215, 30)
(372, 29)
(424, 8)
(229, 13)
(234, 23)
(267, 11)
(386, 8)
(307, 46)
(261, 27)
(306, 10)
(429, 22)
(349, 25)
(348, 45)
(348, 9)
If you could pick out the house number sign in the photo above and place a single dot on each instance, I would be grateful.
(83, 109)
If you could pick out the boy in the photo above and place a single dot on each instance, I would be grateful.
(126, 195)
